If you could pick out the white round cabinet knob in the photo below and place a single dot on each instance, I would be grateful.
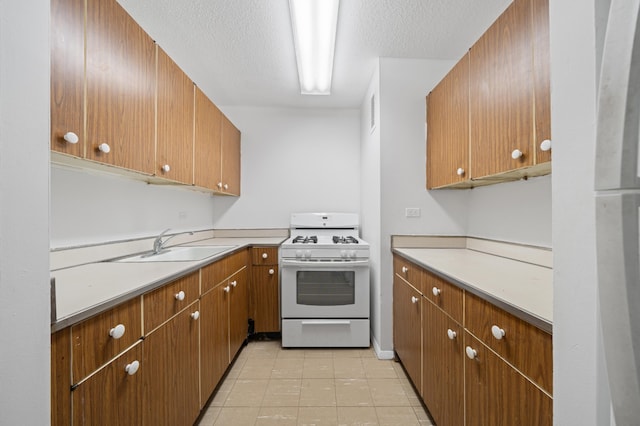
(414, 299)
(117, 331)
(132, 368)
(545, 145)
(104, 147)
(195, 315)
(498, 332)
(471, 353)
(405, 269)
(265, 255)
(71, 137)
(516, 153)
(460, 171)
(180, 295)
(272, 271)
(451, 334)
(166, 168)
(220, 185)
(234, 283)
(226, 186)
(436, 291)
(226, 289)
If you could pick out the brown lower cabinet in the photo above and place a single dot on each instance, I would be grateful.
(466, 376)
(214, 339)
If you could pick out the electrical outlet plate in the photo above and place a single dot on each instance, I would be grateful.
(412, 212)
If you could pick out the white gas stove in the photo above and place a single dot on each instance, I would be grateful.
(324, 282)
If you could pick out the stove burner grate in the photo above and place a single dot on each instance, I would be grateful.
(305, 239)
(344, 240)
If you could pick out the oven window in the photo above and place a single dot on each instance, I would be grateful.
(325, 288)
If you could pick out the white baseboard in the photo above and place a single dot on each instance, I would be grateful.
(379, 352)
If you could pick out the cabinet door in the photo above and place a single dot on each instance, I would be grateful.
(230, 176)
(541, 73)
(407, 332)
(448, 128)
(214, 338)
(238, 311)
(442, 366)
(265, 300)
(501, 94)
(207, 143)
(174, 153)
(61, 378)
(120, 88)
(67, 75)
(112, 396)
(171, 372)
(497, 394)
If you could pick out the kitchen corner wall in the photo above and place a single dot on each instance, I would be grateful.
(293, 160)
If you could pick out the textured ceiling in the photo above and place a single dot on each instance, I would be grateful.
(240, 52)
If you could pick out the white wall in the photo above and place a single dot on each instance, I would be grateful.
(24, 224)
(91, 208)
(293, 160)
(579, 392)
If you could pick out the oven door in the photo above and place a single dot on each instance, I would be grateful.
(324, 289)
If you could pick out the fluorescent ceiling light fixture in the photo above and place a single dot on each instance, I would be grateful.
(314, 35)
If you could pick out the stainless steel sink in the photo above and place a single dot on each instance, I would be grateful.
(178, 254)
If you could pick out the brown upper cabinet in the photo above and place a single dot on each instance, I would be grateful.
(174, 151)
(230, 159)
(120, 84)
(508, 105)
(207, 142)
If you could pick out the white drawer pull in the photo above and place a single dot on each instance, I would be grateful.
(104, 147)
(226, 289)
(226, 186)
(234, 283)
(451, 334)
(471, 353)
(195, 315)
(132, 368)
(460, 171)
(166, 168)
(405, 269)
(516, 154)
(436, 291)
(265, 255)
(117, 331)
(179, 295)
(414, 299)
(71, 137)
(220, 185)
(545, 145)
(498, 332)
(272, 271)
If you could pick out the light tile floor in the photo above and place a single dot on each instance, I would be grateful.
(268, 385)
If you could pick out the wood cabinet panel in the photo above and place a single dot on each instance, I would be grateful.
(448, 128)
(207, 142)
(171, 372)
(214, 339)
(264, 255)
(407, 331)
(175, 104)
(230, 154)
(501, 94)
(411, 272)
(520, 341)
(237, 261)
(67, 75)
(238, 311)
(446, 296)
(497, 394)
(265, 300)
(542, 77)
(92, 344)
(120, 88)
(111, 397)
(442, 366)
(164, 302)
(213, 275)
(61, 378)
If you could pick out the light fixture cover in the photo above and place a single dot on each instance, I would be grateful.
(314, 34)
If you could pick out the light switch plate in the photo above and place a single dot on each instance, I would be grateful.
(412, 212)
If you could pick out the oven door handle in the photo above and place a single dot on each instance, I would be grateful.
(337, 265)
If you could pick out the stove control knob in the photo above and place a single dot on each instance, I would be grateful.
(298, 253)
(352, 253)
(307, 253)
(343, 253)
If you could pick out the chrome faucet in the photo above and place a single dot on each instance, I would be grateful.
(158, 244)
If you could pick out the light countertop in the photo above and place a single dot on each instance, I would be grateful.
(85, 290)
(522, 289)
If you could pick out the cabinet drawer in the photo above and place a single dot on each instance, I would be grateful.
(264, 255)
(165, 302)
(445, 295)
(412, 273)
(236, 261)
(99, 339)
(526, 347)
(212, 275)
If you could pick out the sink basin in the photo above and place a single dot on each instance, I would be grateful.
(178, 254)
